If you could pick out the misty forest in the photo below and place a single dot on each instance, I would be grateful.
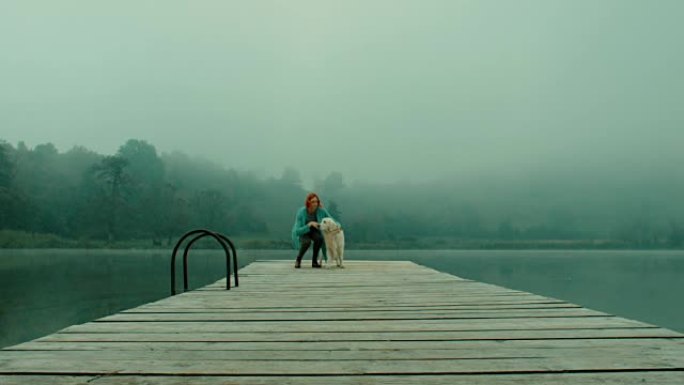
(138, 197)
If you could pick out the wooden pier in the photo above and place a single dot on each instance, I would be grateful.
(374, 322)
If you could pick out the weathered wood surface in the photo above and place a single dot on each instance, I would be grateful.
(371, 323)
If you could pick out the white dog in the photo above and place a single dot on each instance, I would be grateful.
(334, 240)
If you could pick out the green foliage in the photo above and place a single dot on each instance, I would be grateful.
(139, 198)
(6, 166)
(334, 210)
(12, 207)
(113, 184)
(12, 239)
(676, 234)
(332, 186)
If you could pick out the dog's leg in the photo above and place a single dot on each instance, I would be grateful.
(332, 248)
(326, 239)
(333, 254)
(339, 257)
(340, 253)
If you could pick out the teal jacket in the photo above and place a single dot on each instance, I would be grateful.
(300, 228)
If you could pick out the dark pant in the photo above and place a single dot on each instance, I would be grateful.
(313, 236)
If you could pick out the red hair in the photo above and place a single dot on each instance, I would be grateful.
(308, 198)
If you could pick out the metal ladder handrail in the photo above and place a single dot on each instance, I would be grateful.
(221, 239)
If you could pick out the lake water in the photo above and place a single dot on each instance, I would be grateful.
(42, 291)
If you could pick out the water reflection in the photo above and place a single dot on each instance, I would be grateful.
(42, 291)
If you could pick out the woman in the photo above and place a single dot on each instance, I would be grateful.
(306, 229)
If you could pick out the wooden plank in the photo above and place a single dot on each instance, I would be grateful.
(295, 366)
(20, 379)
(349, 327)
(246, 304)
(605, 378)
(356, 315)
(467, 350)
(334, 300)
(452, 345)
(275, 308)
(502, 335)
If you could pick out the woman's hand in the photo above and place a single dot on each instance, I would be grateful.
(313, 224)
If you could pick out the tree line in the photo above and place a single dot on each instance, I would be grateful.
(139, 194)
(133, 194)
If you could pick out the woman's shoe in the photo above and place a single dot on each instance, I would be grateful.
(298, 264)
(315, 265)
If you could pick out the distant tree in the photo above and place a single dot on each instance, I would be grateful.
(676, 234)
(12, 204)
(249, 220)
(332, 185)
(280, 197)
(561, 224)
(39, 179)
(111, 173)
(334, 210)
(638, 231)
(143, 162)
(147, 173)
(74, 167)
(209, 209)
(6, 165)
(291, 177)
(507, 230)
(175, 217)
(470, 221)
(359, 232)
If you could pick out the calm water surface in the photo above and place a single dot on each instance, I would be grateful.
(42, 291)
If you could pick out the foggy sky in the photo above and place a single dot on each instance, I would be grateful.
(380, 90)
